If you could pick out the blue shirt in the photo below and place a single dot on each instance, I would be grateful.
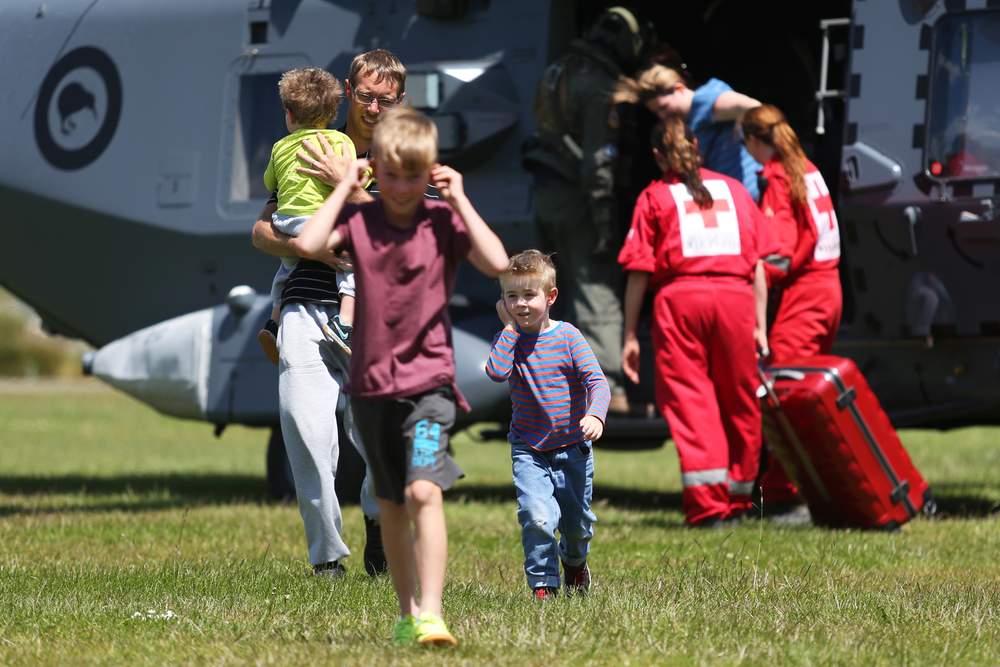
(720, 148)
(555, 381)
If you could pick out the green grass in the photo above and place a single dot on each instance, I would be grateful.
(130, 538)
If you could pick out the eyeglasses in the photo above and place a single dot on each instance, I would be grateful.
(365, 99)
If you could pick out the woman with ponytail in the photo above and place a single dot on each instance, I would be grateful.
(798, 205)
(696, 241)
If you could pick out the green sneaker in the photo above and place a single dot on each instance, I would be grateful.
(431, 631)
(404, 633)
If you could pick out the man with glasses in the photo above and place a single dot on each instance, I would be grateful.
(311, 371)
(369, 97)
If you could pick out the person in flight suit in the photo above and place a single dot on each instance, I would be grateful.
(711, 110)
(797, 203)
(572, 157)
(696, 241)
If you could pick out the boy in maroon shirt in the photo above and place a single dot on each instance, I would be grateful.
(406, 251)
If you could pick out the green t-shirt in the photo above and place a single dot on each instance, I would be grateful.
(299, 194)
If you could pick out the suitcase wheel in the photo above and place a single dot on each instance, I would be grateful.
(930, 505)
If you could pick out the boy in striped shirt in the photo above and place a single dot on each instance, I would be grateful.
(560, 401)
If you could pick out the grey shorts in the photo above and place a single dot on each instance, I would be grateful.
(408, 439)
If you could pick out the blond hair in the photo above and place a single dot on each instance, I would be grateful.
(766, 123)
(530, 265)
(676, 145)
(626, 91)
(311, 95)
(657, 80)
(406, 138)
(383, 64)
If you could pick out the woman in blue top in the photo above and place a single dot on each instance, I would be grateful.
(711, 111)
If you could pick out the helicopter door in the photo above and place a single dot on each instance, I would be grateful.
(252, 122)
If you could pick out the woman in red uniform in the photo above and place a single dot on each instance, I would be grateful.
(696, 241)
(798, 204)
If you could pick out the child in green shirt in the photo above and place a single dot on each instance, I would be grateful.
(310, 96)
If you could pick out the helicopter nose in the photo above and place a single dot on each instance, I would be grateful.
(165, 365)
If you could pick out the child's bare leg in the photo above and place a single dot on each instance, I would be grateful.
(425, 505)
(346, 310)
(397, 539)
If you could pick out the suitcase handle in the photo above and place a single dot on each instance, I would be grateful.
(767, 382)
(768, 386)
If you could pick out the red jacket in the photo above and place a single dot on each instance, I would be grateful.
(807, 234)
(672, 237)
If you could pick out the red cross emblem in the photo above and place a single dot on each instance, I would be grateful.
(707, 215)
(824, 206)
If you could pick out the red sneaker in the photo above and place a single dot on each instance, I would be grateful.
(576, 579)
(545, 593)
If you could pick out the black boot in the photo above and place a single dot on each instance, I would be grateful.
(374, 553)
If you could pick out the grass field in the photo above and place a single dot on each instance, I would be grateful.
(130, 538)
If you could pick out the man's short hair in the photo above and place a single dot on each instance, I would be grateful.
(383, 65)
(406, 138)
(311, 95)
(530, 265)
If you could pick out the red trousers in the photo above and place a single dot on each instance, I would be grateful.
(805, 325)
(705, 382)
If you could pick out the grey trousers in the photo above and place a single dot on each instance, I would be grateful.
(310, 376)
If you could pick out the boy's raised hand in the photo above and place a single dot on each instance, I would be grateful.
(592, 427)
(504, 315)
(448, 182)
(356, 174)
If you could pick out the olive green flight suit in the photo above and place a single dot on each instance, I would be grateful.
(572, 156)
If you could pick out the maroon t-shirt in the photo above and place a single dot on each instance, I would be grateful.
(402, 333)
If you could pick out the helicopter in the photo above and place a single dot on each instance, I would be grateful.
(138, 136)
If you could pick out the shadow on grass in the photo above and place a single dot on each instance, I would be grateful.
(954, 500)
(151, 492)
(619, 496)
(159, 492)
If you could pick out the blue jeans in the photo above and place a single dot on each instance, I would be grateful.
(554, 490)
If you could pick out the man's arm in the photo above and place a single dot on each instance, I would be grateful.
(267, 239)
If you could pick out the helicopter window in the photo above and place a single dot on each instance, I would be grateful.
(259, 123)
(258, 32)
(423, 90)
(964, 111)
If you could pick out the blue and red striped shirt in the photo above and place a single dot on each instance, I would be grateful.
(555, 381)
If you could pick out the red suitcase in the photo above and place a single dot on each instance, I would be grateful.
(825, 425)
